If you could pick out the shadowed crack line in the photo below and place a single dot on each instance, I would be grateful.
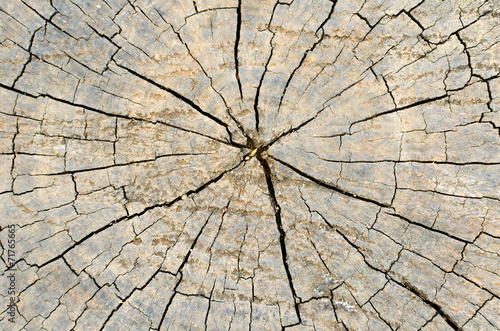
(236, 44)
(415, 104)
(177, 95)
(165, 204)
(124, 300)
(327, 185)
(127, 117)
(306, 53)
(116, 165)
(23, 69)
(282, 239)
(309, 120)
(349, 194)
(239, 125)
(181, 267)
(405, 285)
(261, 80)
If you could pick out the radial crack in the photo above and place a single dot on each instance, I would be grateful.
(279, 225)
(236, 44)
(177, 95)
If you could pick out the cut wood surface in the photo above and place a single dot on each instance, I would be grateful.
(250, 165)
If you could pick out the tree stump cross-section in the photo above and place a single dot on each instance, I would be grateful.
(250, 165)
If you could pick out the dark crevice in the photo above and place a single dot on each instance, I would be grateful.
(49, 20)
(405, 285)
(309, 120)
(478, 312)
(181, 267)
(394, 110)
(306, 53)
(429, 321)
(209, 305)
(30, 57)
(365, 20)
(320, 257)
(14, 152)
(235, 120)
(71, 172)
(257, 93)
(429, 228)
(435, 306)
(125, 299)
(388, 90)
(279, 225)
(177, 95)
(452, 195)
(236, 44)
(285, 89)
(329, 186)
(70, 267)
(165, 204)
(404, 161)
(479, 285)
(380, 316)
(292, 130)
(127, 117)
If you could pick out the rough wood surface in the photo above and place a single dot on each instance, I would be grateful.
(250, 164)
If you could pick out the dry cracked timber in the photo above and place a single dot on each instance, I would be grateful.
(250, 164)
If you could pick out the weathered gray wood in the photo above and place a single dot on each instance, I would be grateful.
(243, 164)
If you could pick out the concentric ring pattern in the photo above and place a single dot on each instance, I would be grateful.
(250, 164)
